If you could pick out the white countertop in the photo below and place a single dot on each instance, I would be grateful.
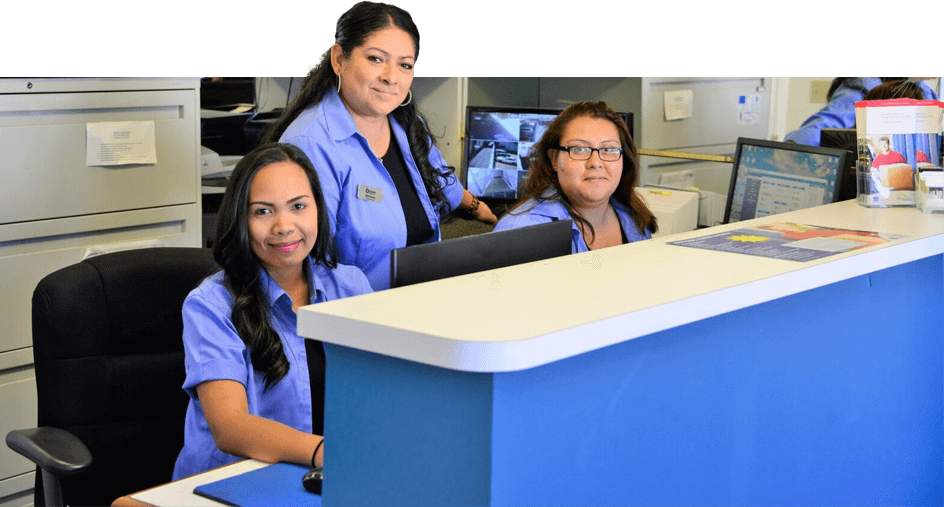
(524, 316)
(180, 492)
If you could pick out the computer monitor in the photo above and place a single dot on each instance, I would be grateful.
(226, 93)
(771, 177)
(471, 254)
(843, 139)
(497, 143)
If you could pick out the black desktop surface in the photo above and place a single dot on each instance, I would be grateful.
(471, 254)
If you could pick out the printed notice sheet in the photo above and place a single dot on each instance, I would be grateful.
(789, 241)
(119, 143)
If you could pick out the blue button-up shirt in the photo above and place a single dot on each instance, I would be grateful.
(839, 113)
(361, 197)
(214, 351)
(534, 212)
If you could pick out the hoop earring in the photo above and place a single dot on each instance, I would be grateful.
(409, 98)
(339, 84)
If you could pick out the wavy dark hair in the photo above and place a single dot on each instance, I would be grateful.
(353, 28)
(232, 249)
(541, 175)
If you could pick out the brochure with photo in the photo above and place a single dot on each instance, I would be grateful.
(895, 138)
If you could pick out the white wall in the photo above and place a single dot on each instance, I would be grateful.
(794, 99)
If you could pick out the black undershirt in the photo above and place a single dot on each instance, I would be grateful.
(418, 229)
(622, 235)
(314, 350)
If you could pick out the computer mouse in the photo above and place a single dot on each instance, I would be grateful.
(312, 480)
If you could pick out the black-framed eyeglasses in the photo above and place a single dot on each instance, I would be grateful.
(584, 152)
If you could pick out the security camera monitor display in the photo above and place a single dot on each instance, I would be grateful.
(498, 142)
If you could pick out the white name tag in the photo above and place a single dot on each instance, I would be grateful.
(369, 193)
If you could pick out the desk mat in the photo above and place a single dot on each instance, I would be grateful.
(278, 484)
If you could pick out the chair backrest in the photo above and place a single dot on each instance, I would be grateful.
(109, 364)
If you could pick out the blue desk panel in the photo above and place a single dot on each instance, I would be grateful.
(833, 396)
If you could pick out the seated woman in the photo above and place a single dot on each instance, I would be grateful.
(257, 388)
(585, 168)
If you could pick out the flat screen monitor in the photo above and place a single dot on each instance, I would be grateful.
(497, 143)
(226, 93)
(843, 139)
(471, 254)
(771, 177)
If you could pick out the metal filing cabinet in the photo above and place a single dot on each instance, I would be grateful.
(57, 208)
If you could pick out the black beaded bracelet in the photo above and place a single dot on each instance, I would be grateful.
(474, 206)
(316, 453)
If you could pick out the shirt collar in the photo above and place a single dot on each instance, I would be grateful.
(275, 292)
(550, 206)
(340, 123)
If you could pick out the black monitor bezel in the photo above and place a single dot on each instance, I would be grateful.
(627, 118)
(481, 252)
(834, 136)
(745, 141)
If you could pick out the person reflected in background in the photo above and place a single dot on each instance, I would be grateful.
(386, 185)
(585, 168)
(839, 111)
(257, 388)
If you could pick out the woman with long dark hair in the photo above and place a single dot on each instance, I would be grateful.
(386, 185)
(585, 168)
(257, 388)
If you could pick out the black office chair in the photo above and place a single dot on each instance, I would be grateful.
(109, 369)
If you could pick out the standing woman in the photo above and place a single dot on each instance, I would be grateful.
(257, 388)
(385, 183)
(585, 168)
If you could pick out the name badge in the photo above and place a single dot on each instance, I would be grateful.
(369, 193)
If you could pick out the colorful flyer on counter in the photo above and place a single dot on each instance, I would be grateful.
(789, 241)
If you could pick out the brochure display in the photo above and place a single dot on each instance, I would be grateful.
(896, 139)
(930, 190)
(789, 241)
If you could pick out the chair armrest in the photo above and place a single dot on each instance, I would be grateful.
(54, 450)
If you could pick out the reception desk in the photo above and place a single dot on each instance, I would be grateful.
(649, 374)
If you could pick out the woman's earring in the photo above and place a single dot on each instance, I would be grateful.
(409, 98)
(339, 84)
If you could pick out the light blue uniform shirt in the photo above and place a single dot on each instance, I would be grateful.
(214, 351)
(839, 113)
(360, 196)
(534, 212)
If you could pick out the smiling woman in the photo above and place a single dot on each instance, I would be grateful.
(585, 168)
(248, 371)
(283, 224)
(375, 79)
(386, 185)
